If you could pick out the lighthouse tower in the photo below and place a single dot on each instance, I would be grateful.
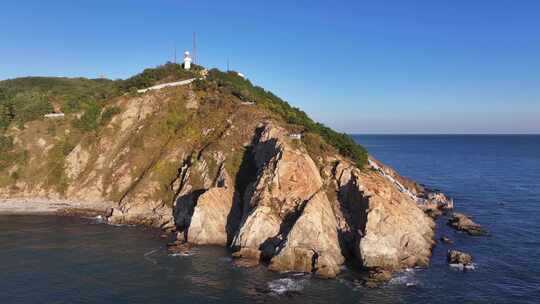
(187, 60)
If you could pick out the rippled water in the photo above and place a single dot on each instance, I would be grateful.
(494, 178)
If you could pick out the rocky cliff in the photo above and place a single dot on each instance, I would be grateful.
(200, 161)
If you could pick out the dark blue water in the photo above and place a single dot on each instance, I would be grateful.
(496, 179)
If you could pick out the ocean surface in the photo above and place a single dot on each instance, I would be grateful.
(495, 179)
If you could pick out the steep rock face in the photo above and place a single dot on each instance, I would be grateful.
(209, 221)
(391, 230)
(312, 245)
(206, 217)
(287, 219)
(280, 188)
(108, 152)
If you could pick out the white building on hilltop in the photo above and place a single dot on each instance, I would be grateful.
(187, 60)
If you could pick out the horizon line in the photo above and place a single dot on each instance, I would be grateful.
(454, 134)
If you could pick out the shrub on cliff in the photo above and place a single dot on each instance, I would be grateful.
(95, 116)
(89, 121)
(108, 114)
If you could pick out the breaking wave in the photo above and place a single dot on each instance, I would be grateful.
(287, 285)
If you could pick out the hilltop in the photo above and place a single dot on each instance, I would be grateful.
(217, 161)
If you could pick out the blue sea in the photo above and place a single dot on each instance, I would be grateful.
(495, 179)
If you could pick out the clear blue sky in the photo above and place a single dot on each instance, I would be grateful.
(358, 66)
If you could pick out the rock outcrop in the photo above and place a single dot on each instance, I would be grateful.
(390, 230)
(458, 257)
(205, 217)
(312, 244)
(446, 240)
(288, 220)
(464, 223)
(460, 260)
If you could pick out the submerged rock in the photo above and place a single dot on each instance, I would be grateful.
(377, 277)
(446, 240)
(247, 257)
(433, 213)
(464, 223)
(179, 247)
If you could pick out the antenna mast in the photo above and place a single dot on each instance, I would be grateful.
(195, 48)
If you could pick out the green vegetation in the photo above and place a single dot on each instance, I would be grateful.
(56, 164)
(89, 121)
(29, 98)
(94, 117)
(108, 114)
(6, 145)
(165, 73)
(242, 88)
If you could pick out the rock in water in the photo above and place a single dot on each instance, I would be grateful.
(377, 277)
(178, 247)
(446, 240)
(459, 257)
(464, 223)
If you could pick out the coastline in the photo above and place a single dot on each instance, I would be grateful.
(47, 206)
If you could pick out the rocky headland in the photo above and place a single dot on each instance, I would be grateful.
(215, 163)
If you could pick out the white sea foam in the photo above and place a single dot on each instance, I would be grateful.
(150, 252)
(180, 254)
(100, 219)
(462, 267)
(406, 277)
(286, 285)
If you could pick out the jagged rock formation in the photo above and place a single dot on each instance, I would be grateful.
(464, 223)
(388, 229)
(220, 172)
(288, 219)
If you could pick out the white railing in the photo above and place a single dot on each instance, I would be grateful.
(165, 85)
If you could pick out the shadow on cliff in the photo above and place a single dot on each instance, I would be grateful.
(245, 179)
(246, 175)
(353, 204)
(273, 245)
(183, 210)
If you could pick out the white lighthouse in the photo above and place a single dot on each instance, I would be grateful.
(187, 60)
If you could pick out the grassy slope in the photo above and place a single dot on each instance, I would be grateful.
(90, 105)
